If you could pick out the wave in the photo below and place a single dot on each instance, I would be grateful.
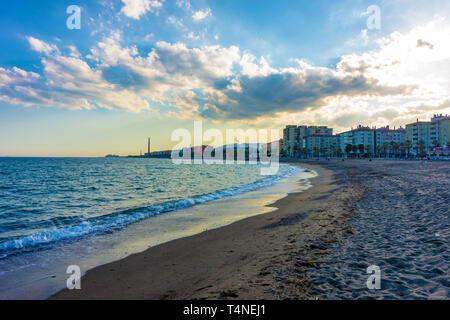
(119, 220)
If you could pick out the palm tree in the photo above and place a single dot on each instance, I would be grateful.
(315, 150)
(296, 151)
(385, 147)
(361, 148)
(307, 152)
(402, 148)
(395, 147)
(391, 148)
(436, 144)
(301, 152)
(348, 149)
(408, 146)
(421, 147)
(368, 149)
(333, 150)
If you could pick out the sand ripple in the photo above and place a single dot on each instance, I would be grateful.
(402, 226)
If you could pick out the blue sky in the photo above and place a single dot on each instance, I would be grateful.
(142, 67)
(280, 29)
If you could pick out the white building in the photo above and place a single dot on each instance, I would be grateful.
(372, 138)
(293, 137)
(435, 133)
(323, 145)
(388, 136)
(360, 135)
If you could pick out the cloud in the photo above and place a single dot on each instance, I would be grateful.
(294, 89)
(41, 46)
(186, 4)
(136, 8)
(175, 21)
(149, 36)
(193, 36)
(226, 83)
(202, 14)
(423, 43)
(67, 82)
(16, 76)
(120, 77)
(382, 85)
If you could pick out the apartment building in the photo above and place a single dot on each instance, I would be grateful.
(387, 135)
(372, 138)
(319, 144)
(293, 137)
(320, 139)
(360, 135)
(432, 134)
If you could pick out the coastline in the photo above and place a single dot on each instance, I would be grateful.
(243, 260)
(38, 274)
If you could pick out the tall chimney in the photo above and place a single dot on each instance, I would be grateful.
(149, 146)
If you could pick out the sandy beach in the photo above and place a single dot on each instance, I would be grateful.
(271, 256)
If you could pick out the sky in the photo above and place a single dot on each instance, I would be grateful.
(144, 68)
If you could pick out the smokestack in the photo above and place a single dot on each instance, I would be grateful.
(149, 146)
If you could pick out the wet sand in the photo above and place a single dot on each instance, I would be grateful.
(262, 257)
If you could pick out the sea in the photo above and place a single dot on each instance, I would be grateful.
(85, 212)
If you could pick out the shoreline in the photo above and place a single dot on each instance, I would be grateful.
(47, 274)
(238, 261)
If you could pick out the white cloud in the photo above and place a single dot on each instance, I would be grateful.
(74, 52)
(16, 75)
(193, 36)
(419, 59)
(149, 37)
(136, 8)
(202, 14)
(252, 69)
(175, 21)
(407, 74)
(41, 46)
(68, 82)
(186, 4)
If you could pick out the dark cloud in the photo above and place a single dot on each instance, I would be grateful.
(124, 76)
(212, 82)
(293, 91)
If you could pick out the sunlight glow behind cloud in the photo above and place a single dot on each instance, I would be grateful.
(404, 74)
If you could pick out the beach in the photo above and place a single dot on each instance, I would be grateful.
(290, 253)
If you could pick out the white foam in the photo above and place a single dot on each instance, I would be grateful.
(120, 220)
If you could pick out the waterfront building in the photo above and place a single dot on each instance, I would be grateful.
(390, 141)
(293, 137)
(425, 136)
(420, 136)
(360, 136)
(375, 140)
(322, 145)
(387, 135)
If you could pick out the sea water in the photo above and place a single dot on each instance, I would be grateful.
(56, 212)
